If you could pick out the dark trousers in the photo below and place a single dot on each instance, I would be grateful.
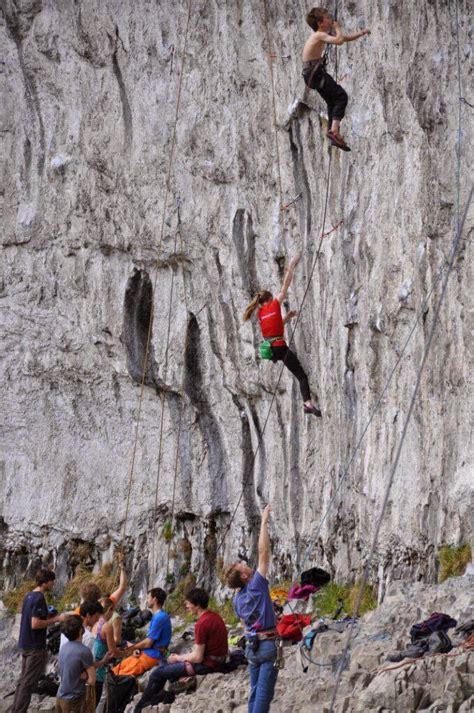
(333, 94)
(292, 363)
(33, 665)
(161, 674)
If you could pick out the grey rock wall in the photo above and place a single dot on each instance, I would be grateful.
(89, 100)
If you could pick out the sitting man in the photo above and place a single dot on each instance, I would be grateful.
(149, 652)
(208, 655)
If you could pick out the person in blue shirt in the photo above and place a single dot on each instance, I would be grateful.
(35, 619)
(150, 651)
(254, 607)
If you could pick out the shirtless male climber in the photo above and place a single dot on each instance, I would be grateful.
(314, 68)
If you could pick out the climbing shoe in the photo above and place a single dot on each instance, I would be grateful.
(337, 141)
(312, 410)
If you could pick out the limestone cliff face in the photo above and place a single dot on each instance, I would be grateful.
(89, 93)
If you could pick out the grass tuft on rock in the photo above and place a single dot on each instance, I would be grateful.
(453, 561)
(333, 597)
(13, 599)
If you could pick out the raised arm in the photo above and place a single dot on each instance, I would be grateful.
(264, 544)
(122, 588)
(281, 296)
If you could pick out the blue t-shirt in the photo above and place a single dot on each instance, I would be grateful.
(254, 606)
(160, 631)
(34, 605)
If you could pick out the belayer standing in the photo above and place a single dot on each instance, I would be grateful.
(272, 325)
(314, 68)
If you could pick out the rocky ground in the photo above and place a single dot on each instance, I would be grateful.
(440, 683)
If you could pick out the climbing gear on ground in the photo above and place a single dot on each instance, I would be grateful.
(435, 622)
(265, 347)
(48, 685)
(313, 410)
(439, 643)
(337, 141)
(119, 692)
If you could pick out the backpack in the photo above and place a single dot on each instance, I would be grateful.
(435, 622)
(439, 643)
(48, 685)
(315, 576)
(290, 626)
(119, 692)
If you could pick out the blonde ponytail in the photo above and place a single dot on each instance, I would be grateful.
(259, 299)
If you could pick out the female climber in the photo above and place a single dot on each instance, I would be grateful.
(272, 326)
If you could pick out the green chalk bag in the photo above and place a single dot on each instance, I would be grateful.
(265, 347)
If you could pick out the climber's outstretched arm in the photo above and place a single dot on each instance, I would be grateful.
(281, 296)
(356, 35)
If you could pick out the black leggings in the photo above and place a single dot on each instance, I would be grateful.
(333, 94)
(292, 363)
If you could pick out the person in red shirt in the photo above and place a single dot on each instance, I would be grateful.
(272, 325)
(208, 655)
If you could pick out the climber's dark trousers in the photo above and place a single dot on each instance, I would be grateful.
(292, 363)
(334, 95)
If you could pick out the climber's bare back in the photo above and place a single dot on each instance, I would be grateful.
(314, 47)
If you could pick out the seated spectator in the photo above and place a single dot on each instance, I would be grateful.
(151, 651)
(208, 655)
(75, 663)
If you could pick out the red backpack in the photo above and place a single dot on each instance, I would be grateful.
(290, 626)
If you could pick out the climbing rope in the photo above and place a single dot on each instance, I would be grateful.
(365, 577)
(178, 437)
(453, 254)
(150, 324)
(290, 343)
(271, 56)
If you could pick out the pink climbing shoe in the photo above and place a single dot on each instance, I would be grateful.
(312, 410)
(337, 141)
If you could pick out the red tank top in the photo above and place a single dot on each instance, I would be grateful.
(271, 322)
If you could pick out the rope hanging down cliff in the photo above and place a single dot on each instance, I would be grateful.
(290, 341)
(150, 324)
(451, 262)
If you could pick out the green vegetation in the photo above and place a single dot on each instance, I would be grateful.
(226, 610)
(14, 598)
(453, 560)
(328, 600)
(70, 598)
(167, 531)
